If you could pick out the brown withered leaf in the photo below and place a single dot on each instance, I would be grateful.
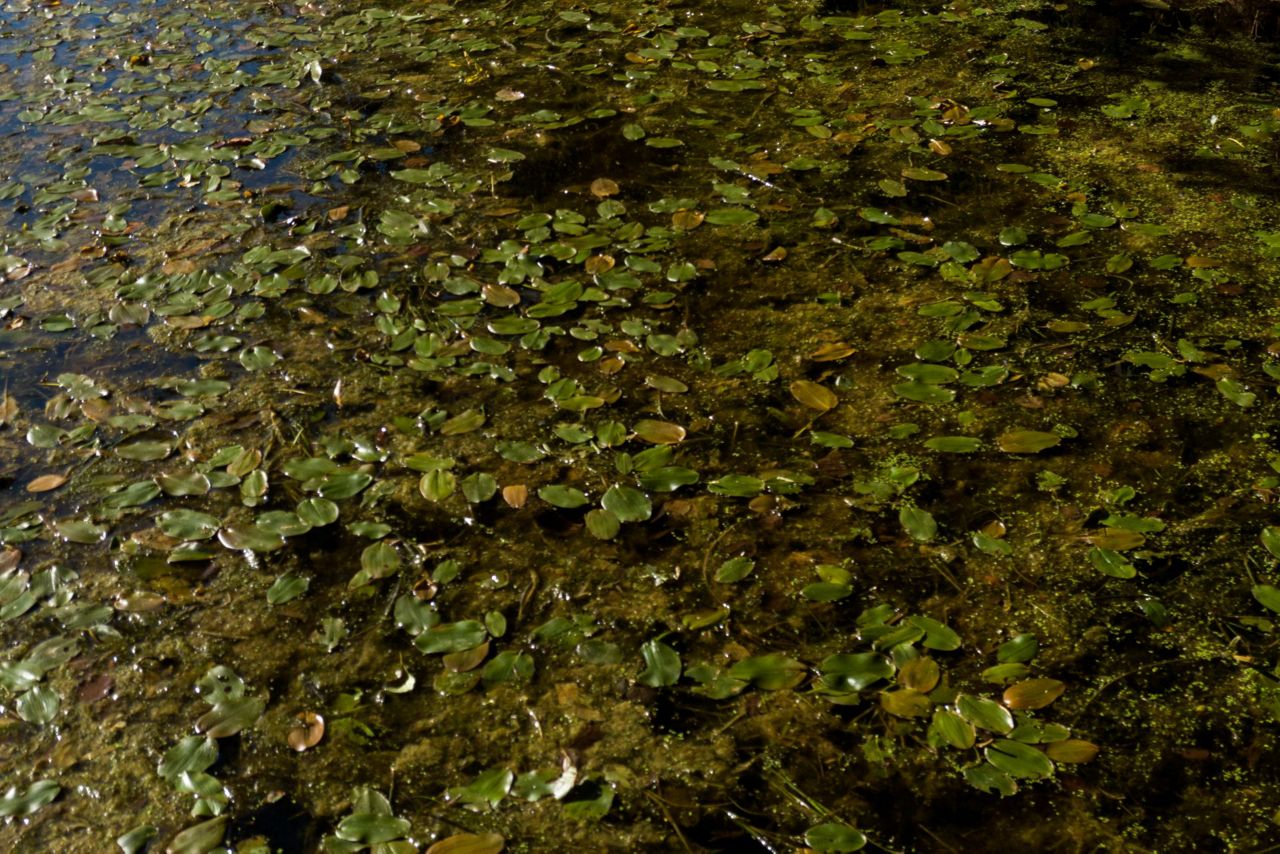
(46, 482)
(307, 730)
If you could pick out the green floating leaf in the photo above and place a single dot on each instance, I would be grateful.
(1267, 596)
(953, 444)
(1021, 648)
(82, 531)
(508, 666)
(192, 755)
(414, 615)
(451, 637)
(734, 569)
(36, 795)
(826, 591)
(988, 778)
(834, 837)
(287, 588)
(1111, 563)
(937, 635)
(371, 828)
(919, 173)
(1027, 441)
(919, 524)
(145, 451)
(602, 524)
(924, 392)
(626, 503)
(1235, 392)
(199, 838)
(736, 485)
(342, 485)
(984, 713)
(188, 524)
(732, 216)
(854, 671)
(662, 664)
(231, 716)
(39, 705)
(250, 537)
(1019, 760)
(951, 729)
(769, 672)
(564, 497)
(137, 838)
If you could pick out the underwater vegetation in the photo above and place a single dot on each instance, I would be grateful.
(638, 426)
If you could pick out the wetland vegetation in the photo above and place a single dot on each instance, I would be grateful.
(639, 426)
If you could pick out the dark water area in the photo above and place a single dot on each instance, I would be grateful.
(672, 427)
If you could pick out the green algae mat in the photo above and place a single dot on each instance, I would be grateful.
(637, 427)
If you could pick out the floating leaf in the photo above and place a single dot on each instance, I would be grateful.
(662, 664)
(920, 674)
(627, 504)
(1111, 563)
(1021, 648)
(659, 432)
(369, 828)
(251, 538)
(734, 569)
(199, 838)
(191, 755)
(1019, 760)
(306, 732)
(451, 637)
(924, 392)
(950, 728)
(46, 482)
(769, 672)
(564, 497)
(905, 703)
(287, 588)
(1072, 750)
(834, 837)
(919, 524)
(1267, 596)
(936, 635)
(1234, 392)
(469, 843)
(1033, 693)
(984, 713)
(813, 395)
(953, 444)
(229, 717)
(188, 524)
(732, 216)
(1027, 441)
(855, 671)
(988, 778)
(38, 705)
(919, 173)
(82, 531)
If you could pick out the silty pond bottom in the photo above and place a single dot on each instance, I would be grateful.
(668, 427)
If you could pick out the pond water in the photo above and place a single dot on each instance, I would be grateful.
(637, 426)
